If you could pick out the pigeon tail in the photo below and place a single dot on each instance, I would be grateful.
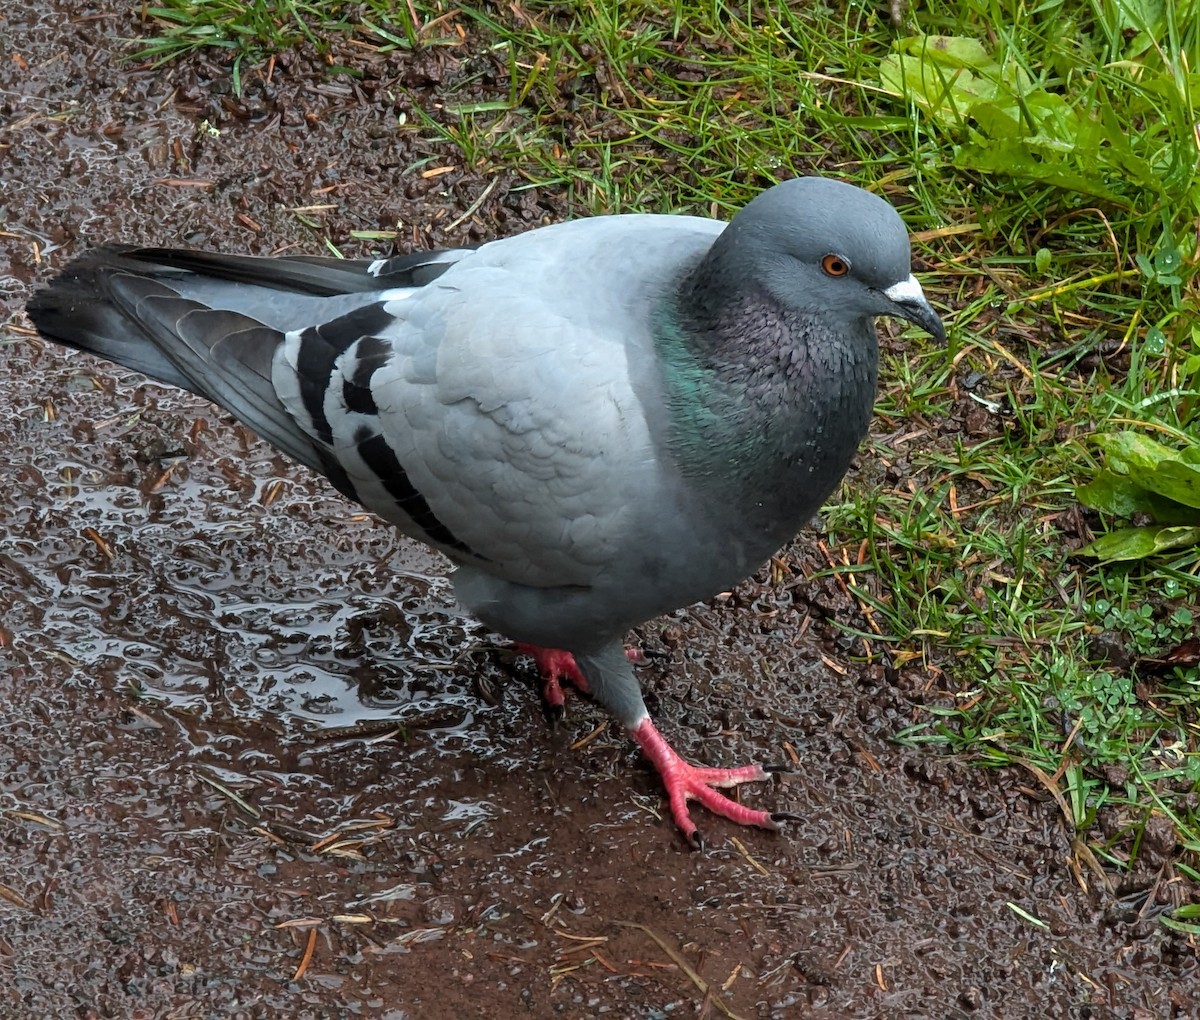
(76, 310)
(112, 303)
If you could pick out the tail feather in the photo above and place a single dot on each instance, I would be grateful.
(74, 311)
(300, 274)
(213, 323)
(227, 359)
(312, 275)
(123, 306)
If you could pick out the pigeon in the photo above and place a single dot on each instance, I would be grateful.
(597, 421)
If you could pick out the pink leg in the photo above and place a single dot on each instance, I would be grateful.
(686, 782)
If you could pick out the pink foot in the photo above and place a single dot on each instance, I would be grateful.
(686, 782)
(556, 665)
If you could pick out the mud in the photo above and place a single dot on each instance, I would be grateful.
(255, 763)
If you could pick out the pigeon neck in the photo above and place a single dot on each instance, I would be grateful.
(767, 404)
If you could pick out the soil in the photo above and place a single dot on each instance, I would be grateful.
(255, 763)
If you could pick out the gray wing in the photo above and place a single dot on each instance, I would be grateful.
(515, 461)
(483, 405)
(492, 412)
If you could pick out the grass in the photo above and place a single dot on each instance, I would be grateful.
(251, 30)
(1046, 157)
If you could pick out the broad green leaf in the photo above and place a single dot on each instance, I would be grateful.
(1138, 543)
(1156, 339)
(1141, 14)
(1112, 144)
(1120, 496)
(1176, 480)
(1132, 453)
(948, 94)
(938, 72)
(1014, 159)
(957, 51)
(999, 121)
(1126, 544)
(948, 50)
(1115, 494)
(1054, 116)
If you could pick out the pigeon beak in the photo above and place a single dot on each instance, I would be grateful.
(910, 303)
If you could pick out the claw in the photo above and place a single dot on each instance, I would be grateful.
(555, 714)
(552, 693)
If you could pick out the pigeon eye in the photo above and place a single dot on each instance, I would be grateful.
(835, 265)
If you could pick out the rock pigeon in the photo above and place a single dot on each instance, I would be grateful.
(597, 421)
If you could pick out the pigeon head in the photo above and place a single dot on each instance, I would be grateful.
(769, 351)
(830, 251)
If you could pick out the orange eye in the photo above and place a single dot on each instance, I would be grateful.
(835, 265)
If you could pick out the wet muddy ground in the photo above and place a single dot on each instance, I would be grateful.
(255, 763)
